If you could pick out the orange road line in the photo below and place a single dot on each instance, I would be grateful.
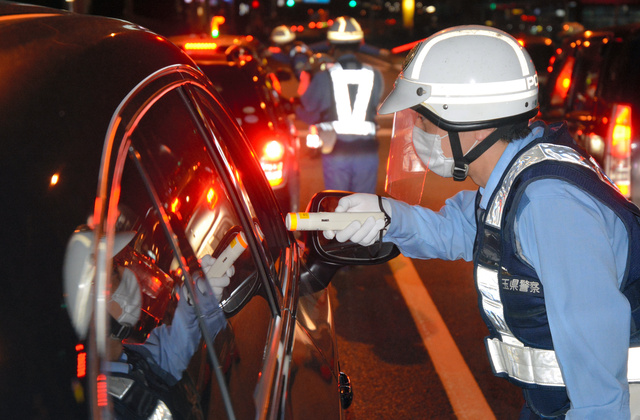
(463, 391)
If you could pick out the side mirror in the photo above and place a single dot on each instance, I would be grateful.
(323, 257)
(347, 253)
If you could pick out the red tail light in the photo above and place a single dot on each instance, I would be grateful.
(81, 365)
(617, 162)
(101, 390)
(621, 131)
(273, 151)
(272, 162)
(563, 82)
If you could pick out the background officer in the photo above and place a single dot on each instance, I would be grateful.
(341, 101)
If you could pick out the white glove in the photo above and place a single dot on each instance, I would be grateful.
(361, 233)
(217, 283)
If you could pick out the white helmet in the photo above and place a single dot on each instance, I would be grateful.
(467, 78)
(143, 290)
(282, 35)
(464, 78)
(345, 30)
(78, 274)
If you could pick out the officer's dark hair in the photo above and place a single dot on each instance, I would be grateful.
(345, 48)
(516, 132)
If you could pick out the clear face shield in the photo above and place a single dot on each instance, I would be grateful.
(411, 153)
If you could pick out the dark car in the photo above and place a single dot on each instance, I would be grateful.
(593, 84)
(253, 94)
(112, 137)
(540, 48)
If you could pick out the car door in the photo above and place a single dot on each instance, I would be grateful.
(165, 178)
(305, 358)
(178, 173)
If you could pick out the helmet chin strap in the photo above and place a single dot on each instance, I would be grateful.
(462, 162)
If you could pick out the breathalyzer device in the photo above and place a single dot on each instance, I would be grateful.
(327, 220)
(228, 256)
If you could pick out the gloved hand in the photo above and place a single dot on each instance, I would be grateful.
(217, 283)
(361, 233)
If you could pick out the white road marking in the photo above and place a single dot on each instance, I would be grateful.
(463, 391)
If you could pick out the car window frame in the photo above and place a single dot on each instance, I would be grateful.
(117, 151)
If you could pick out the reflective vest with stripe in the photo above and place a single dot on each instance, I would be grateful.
(352, 92)
(514, 319)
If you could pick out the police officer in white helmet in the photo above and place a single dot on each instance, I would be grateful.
(555, 245)
(363, 47)
(285, 49)
(341, 101)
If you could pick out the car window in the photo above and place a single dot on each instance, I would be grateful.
(259, 200)
(190, 189)
(174, 197)
(249, 107)
(586, 76)
(621, 81)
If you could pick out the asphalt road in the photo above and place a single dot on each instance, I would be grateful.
(412, 341)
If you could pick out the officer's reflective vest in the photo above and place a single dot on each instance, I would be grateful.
(352, 119)
(519, 317)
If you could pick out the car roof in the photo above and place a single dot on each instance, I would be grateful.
(64, 76)
(56, 64)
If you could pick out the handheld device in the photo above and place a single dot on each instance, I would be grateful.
(327, 220)
(228, 256)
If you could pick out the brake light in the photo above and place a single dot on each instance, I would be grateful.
(81, 365)
(617, 163)
(621, 131)
(101, 390)
(272, 162)
(274, 150)
(191, 46)
(563, 82)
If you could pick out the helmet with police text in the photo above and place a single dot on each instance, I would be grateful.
(345, 30)
(282, 35)
(467, 78)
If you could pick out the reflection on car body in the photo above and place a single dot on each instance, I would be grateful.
(112, 129)
(593, 85)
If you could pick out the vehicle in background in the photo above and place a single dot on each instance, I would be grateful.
(254, 95)
(203, 46)
(541, 49)
(594, 86)
(111, 129)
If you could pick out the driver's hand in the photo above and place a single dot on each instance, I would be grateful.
(217, 283)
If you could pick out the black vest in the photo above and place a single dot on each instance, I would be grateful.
(514, 284)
